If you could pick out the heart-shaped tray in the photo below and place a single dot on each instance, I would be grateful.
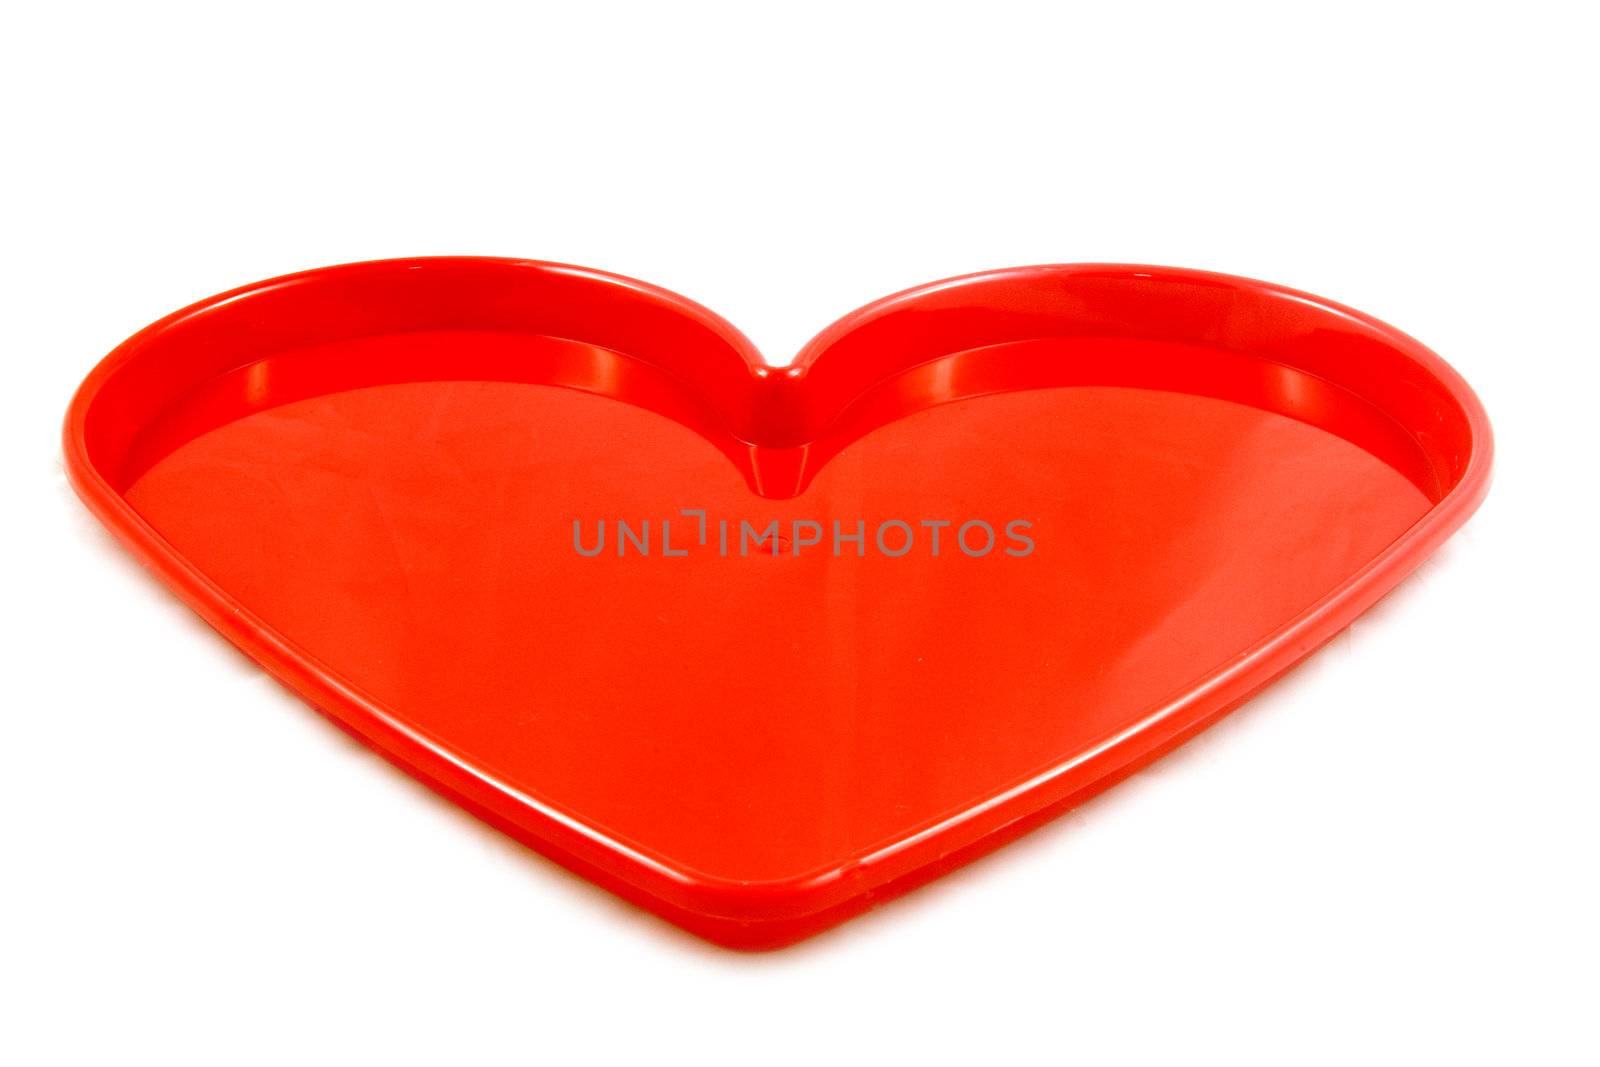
(752, 646)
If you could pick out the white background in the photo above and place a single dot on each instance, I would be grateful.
(1389, 857)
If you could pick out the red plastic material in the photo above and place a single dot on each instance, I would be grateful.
(383, 482)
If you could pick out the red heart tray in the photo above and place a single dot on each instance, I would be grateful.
(757, 647)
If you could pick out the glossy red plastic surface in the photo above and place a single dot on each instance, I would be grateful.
(378, 480)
